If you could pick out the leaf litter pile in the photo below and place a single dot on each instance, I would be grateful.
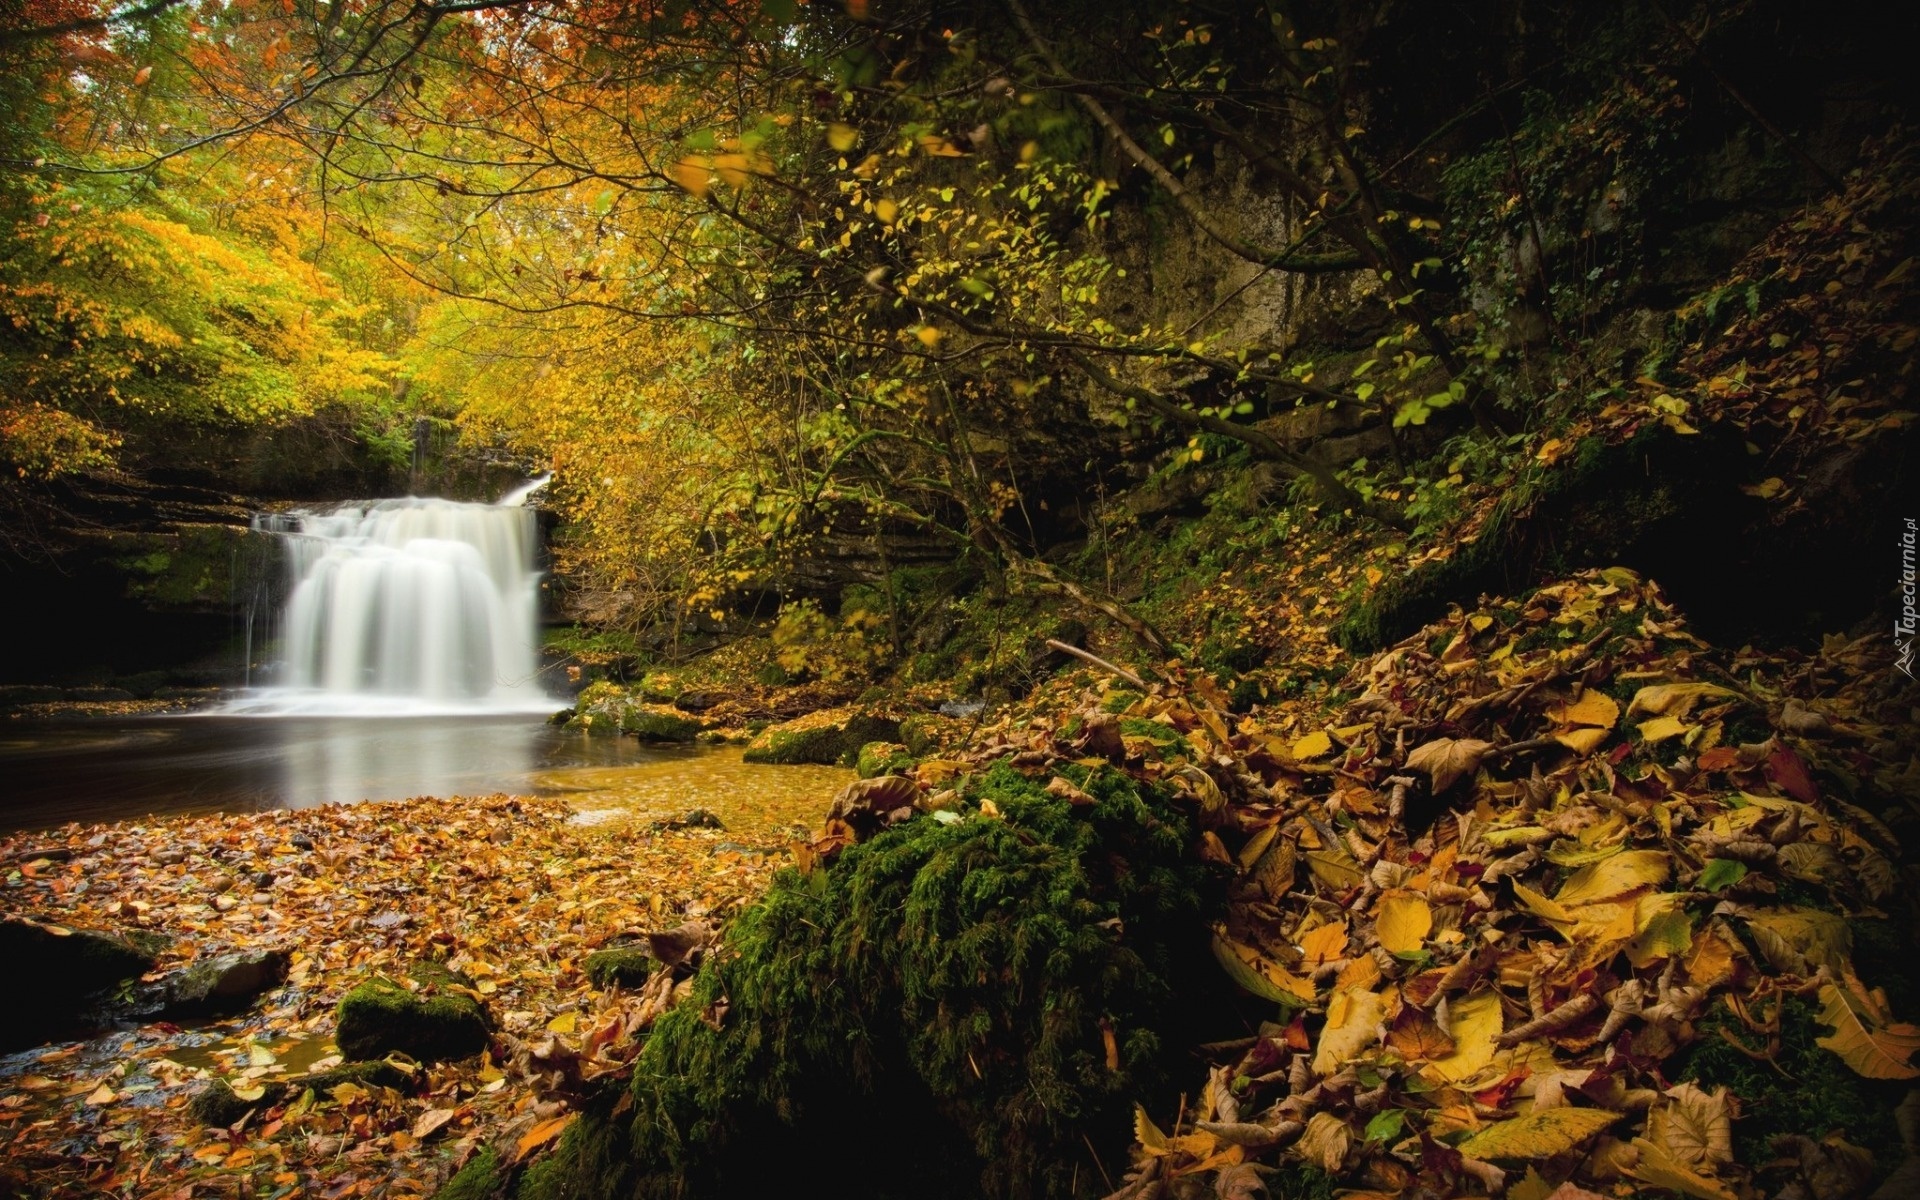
(507, 891)
(1559, 901)
(1518, 903)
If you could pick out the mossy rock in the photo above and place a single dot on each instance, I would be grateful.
(883, 758)
(920, 734)
(625, 966)
(216, 1104)
(832, 738)
(956, 977)
(652, 723)
(60, 970)
(437, 1022)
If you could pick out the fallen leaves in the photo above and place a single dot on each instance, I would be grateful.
(1864, 1034)
(1538, 1134)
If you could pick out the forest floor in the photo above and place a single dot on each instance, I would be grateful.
(509, 891)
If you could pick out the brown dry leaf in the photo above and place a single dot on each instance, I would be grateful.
(431, 1122)
(1447, 759)
(1417, 1037)
(1325, 1141)
(1694, 1126)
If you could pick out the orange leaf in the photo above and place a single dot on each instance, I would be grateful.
(540, 1135)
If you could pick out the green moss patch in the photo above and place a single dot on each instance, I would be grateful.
(436, 1022)
(832, 738)
(883, 758)
(622, 966)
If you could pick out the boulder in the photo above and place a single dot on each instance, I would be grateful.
(883, 758)
(438, 1019)
(833, 737)
(626, 966)
(221, 985)
(58, 972)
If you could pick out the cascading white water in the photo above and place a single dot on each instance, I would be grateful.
(407, 606)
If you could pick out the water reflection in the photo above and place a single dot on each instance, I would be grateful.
(110, 770)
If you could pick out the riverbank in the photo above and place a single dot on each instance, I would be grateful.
(511, 892)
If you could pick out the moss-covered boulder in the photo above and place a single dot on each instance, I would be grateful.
(58, 973)
(1000, 988)
(216, 1103)
(832, 736)
(883, 758)
(621, 966)
(656, 723)
(436, 1019)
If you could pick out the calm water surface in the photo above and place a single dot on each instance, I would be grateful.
(117, 769)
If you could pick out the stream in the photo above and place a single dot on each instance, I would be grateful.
(122, 769)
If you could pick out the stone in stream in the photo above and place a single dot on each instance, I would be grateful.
(59, 973)
(832, 737)
(216, 1103)
(441, 1020)
(221, 985)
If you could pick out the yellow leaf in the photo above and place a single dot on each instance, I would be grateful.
(100, 1095)
(692, 174)
(842, 137)
(1259, 974)
(1403, 922)
(1324, 944)
(1664, 929)
(1353, 1024)
(1675, 698)
(1336, 868)
(566, 1022)
(1539, 1134)
(1147, 1133)
(1593, 708)
(251, 1090)
(929, 335)
(1583, 740)
(1800, 939)
(1616, 876)
(1477, 1022)
(1313, 746)
(1539, 905)
(1661, 1169)
(1863, 1036)
(259, 1056)
(1661, 728)
(886, 210)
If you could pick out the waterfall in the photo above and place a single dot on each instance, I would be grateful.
(405, 606)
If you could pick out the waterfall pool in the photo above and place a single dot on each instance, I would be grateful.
(123, 769)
